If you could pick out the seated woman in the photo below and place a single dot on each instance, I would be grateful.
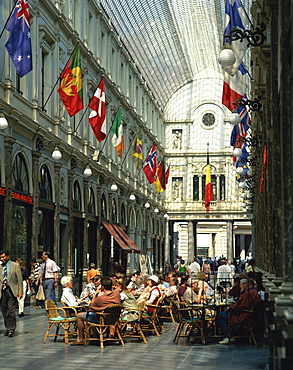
(152, 294)
(67, 295)
(202, 287)
(128, 301)
(90, 289)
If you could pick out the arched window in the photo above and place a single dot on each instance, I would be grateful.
(103, 207)
(114, 211)
(91, 204)
(123, 214)
(45, 184)
(20, 180)
(77, 203)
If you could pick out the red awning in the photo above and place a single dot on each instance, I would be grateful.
(126, 238)
(121, 243)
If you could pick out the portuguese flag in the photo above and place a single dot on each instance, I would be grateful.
(70, 89)
(208, 185)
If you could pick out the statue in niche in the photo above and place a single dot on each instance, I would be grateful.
(176, 190)
(177, 140)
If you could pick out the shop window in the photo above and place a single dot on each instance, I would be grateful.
(20, 180)
(195, 188)
(222, 187)
(45, 184)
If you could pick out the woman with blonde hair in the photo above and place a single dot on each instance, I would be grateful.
(128, 301)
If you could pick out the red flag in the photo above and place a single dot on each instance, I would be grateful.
(151, 164)
(208, 188)
(162, 177)
(97, 117)
(70, 89)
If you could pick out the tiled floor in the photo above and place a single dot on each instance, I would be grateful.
(26, 351)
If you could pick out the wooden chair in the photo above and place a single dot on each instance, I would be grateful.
(136, 331)
(246, 328)
(55, 319)
(105, 319)
(153, 320)
(166, 312)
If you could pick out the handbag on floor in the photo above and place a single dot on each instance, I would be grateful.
(40, 295)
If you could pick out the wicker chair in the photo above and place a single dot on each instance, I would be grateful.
(105, 319)
(56, 320)
(136, 330)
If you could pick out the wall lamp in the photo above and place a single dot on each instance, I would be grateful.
(3, 120)
(114, 187)
(147, 205)
(132, 197)
(75, 162)
(41, 145)
(254, 38)
(253, 105)
(156, 210)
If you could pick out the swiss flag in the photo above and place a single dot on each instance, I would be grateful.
(97, 117)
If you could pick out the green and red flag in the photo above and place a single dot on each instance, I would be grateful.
(117, 129)
(70, 89)
(208, 185)
(136, 151)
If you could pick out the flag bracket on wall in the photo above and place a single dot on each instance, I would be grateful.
(253, 105)
(254, 38)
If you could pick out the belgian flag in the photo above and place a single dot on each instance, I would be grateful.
(208, 185)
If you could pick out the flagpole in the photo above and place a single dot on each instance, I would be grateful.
(75, 129)
(43, 107)
(7, 20)
(126, 155)
(108, 133)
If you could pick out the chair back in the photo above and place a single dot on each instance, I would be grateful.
(112, 314)
(49, 306)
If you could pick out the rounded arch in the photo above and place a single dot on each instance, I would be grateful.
(77, 196)
(21, 176)
(45, 183)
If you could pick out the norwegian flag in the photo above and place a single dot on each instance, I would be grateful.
(150, 166)
(19, 44)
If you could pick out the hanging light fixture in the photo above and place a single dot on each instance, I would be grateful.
(147, 205)
(239, 170)
(87, 172)
(242, 185)
(234, 118)
(156, 210)
(237, 152)
(243, 195)
(3, 120)
(56, 155)
(166, 215)
(114, 187)
(132, 197)
(227, 56)
(243, 205)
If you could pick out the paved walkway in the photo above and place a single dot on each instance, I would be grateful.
(26, 351)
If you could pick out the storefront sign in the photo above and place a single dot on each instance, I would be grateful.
(17, 196)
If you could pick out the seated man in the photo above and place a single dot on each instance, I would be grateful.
(133, 283)
(68, 297)
(172, 290)
(247, 300)
(190, 296)
(98, 303)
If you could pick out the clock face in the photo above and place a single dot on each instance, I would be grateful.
(208, 119)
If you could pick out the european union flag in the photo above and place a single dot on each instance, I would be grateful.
(19, 44)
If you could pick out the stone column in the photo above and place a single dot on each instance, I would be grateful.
(85, 224)
(230, 241)
(167, 241)
(99, 250)
(35, 216)
(191, 241)
(131, 231)
(57, 167)
(8, 143)
(70, 218)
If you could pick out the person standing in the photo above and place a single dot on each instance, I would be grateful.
(11, 288)
(35, 268)
(26, 286)
(92, 272)
(48, 276)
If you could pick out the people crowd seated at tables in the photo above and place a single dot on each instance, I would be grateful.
(90, 288)
(247, 300)
(68, 297)
(101, 300)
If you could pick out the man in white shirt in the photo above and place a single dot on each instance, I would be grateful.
(48, 275)
(224, 274)
(194, 268)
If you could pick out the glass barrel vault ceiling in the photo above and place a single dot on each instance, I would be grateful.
(170, 40)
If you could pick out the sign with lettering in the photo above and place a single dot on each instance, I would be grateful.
(17, 196)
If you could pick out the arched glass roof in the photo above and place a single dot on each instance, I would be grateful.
(171, 41)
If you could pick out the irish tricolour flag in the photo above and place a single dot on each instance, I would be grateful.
(118, 138)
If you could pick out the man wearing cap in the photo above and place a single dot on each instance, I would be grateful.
(190, 296)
